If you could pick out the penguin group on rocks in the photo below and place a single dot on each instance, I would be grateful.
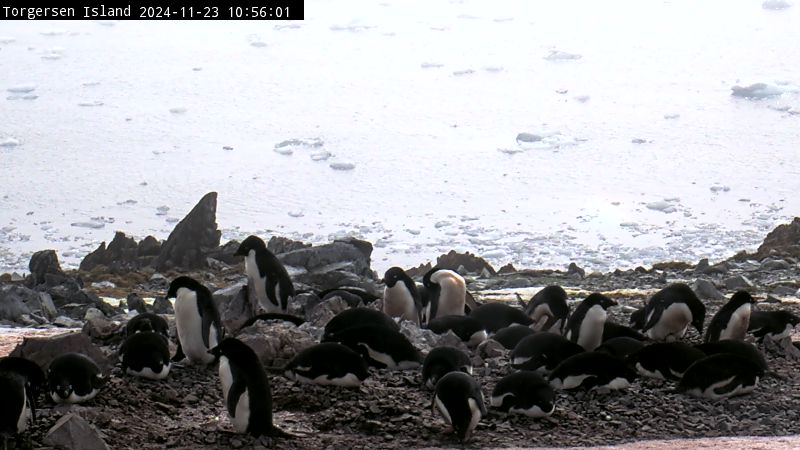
(553, 348)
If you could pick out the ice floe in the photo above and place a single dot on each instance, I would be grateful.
(342, 166)
(557, 55)
(776, 5)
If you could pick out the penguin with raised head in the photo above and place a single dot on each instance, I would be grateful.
(379, 346)
(467, 328)
(737, 347)
(441, 361)
(542, 352)
(459, 399)
(329, 363)
(722, 375)
(665, 360)
(196, 319)
(776, 325)
(585, 325)
(595, 370)
(400, 296)
(548, 309)
(510, 336)
(355, 317)
(525, 393)
(245, 388)
(266, 275)
(146, 354)
(445, 294)
(620, 346)
(670, 311)
(495, 315)
(147, 321)
(732, 320)
(73, 378)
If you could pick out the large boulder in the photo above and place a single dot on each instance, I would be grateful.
(44, 264)
(73, 432)
(193, 237)
(783, 241)
(280, 244)
(235, 306)
(42, 350)
(122, 254)
(471, 263)
(73, 301)
(276, 342)
(348, 255)
(26, 306)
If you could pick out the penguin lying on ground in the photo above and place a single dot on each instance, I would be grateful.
(548, 309)
(380, 346)
(459, 399)
(585, 325)
(510, 336)
(73, 378)
(775, 324)
(266, 275)
(146, 354)
(400, 296)
(665, 360)
(196, 319)
(613, 330)
(355, 317)
(445, 294)
(620, 347)
(595, 370)
(468, 329)
(720, 376)
(441, 361)
(524, 392)
(542, 352)
(329, 363)
(671, 310)
(744, 349)
(732, 320)
(494, 316)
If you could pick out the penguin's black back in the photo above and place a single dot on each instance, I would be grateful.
(527, 389)
(329, 358)
(545, 349)
(638, 319)
(613, 330)
(454, 390)
(718, 367)
(510, 336)
(463, 326)
(31, 372)
(147, 321)
(12, 391)
(81, 371)
(494, 316)
(553, 296)
(674, 293)
(721, 319)
(620, 346)
(145, 349)
(378, 338)
(443, 360)
(744, 349)
(355, 317)
(366, 297)
(668, 358)
(602, 367)
(206, 307)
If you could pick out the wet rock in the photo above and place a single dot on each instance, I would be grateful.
(192, 238)
(17, 301)
(73, 432)
(576, 272)
(42, 350)
(784, 240)
(507, 269)
(99, 328)
(334, 275)
(234, 305)
(471, 263)
(351, 255)
(66, 322)
(784, 290)
(162, 306)
(279, 245)
(73, 301)
(42, 263)
(706, 289)
(775, 264)
(303, 302)
(324, 311)
(225, 253)
(135, 303)
(275, 342)
(738, 282)
(490, 349)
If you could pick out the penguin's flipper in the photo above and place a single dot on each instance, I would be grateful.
(655, 316)
(236, 390)
(470, 303)
(178, 353)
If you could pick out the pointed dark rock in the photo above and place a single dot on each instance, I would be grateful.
(192, 238)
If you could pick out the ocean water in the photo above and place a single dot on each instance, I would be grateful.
(536, 133)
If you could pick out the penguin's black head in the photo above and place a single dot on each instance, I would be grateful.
(62, 387)
(426, 279)
(698, 310)
(251, 243)
(638, 319)
(27, 369)
(600, 299)
(393, 275)
(236, 351)
(742, 297)
(183, 282)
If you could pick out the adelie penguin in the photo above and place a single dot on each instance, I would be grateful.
(548, 309)
(665, 360)
(196, 319)
(355, 317)
(146, 354)
(510, 336)
(732, 320)
(400, 296)
(444, 294)
(266, 274)
(329, 363)
(441, 361)
(525, 393)
(73, 378)
(595, 370)
(459, 399)
(494, 316)
(20, 382)
(620, 346)
(147, 322)
(776, 325)
(737, 347)
(468, 329)
(670, 311)
(542, 352)
(721, 376)
(245, 388)
(380, 346)
(585, 326)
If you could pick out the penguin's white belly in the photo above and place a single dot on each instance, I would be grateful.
(190, 328)
(443, 410)
(259, 284)
(398, 302)
(452, 298)
(475, 416)
(242, 414)
(737, 324)
(591, 332)
(225, 377)
(534, 412)
(73, 397)
(24, 414)
(673, 323)
(477, 337)
(148, 373)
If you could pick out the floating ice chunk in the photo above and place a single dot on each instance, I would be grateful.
(9, 142)
(662, 206)
(227, 148)
(162, 210)
(413, 231)
(761, 90)
(90, 83)
(288, 26)
(671, 116)
(430, 65)
(22, 88)
(283, 150)
(53, 33)
(7, 39)
(582, 98)
(492, 69)
(178, 110)
(258, 44)
(460, 73)
(557, 55)
(510, 151)
(197, 69)
(496, 253)
(171, 220)
(91, 104)
(639, 141)
(93, 224)
(744, 200)
(296, 213)
(442, 224)
(320, 155)
(351, 28)
(342, 166)
(529, 137)
(719, 188)
(308, 142)
(776, 5)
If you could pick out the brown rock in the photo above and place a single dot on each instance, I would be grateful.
(42, 350)
(470, 262)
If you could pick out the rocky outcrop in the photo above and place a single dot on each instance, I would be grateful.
(468, 261)
(234, 305)
(276, 342)
(26, 306)
(280, 244)
(193, 237)
(43, 350)
(784, 240)
(122, 254)
(43, 265)
(350, 255)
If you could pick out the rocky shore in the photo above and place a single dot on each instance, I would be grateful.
(391, 409)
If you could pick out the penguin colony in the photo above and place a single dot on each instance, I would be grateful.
(553, 347)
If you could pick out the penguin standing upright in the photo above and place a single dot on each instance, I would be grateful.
(20, 381)
(196, 319)
(585, 326)
(245, 388)
(445, 294)
(732, 320)
(73, 378)
(549, 310)
(266, 275)
(400, 296)
(459, 399)
(670, 311)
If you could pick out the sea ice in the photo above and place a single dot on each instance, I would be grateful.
(92, 224)
(557, 55)
(283, 150)
(760, 90)
(719, 188)
(663, 206)
(459, 73)
(671, 116)
(342, 166)
(22, 88)
(296, 213)
(6, 39)
(9, 142)
(776, 5)
(178, 110)
(91, 104)
(430, 65)
(320, 155)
